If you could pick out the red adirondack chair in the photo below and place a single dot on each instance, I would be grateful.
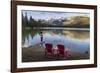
(48, 49)
(61, 50)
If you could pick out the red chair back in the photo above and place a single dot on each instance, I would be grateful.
(61, 49)
(48, 47)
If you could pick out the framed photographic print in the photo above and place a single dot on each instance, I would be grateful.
(52, 36)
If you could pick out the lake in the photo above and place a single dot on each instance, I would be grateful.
(77, 40)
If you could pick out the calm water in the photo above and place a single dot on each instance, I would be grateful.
(75, 40)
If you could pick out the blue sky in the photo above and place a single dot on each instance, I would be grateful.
(50, 14)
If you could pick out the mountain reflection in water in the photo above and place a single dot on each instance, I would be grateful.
(74, 40)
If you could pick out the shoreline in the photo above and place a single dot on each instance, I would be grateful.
(36, 54)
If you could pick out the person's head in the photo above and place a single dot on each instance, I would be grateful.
(41, 32)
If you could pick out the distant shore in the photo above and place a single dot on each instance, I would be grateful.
(66, 28)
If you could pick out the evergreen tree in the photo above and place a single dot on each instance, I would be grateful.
(26, 20)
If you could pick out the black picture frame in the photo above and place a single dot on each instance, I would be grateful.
(14, 43)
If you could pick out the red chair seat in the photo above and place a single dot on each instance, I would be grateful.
(48, 49)
(61, 50)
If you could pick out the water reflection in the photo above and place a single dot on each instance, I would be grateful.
(77, 34)
(74, 40)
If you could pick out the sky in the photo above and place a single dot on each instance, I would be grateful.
(46, 15)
